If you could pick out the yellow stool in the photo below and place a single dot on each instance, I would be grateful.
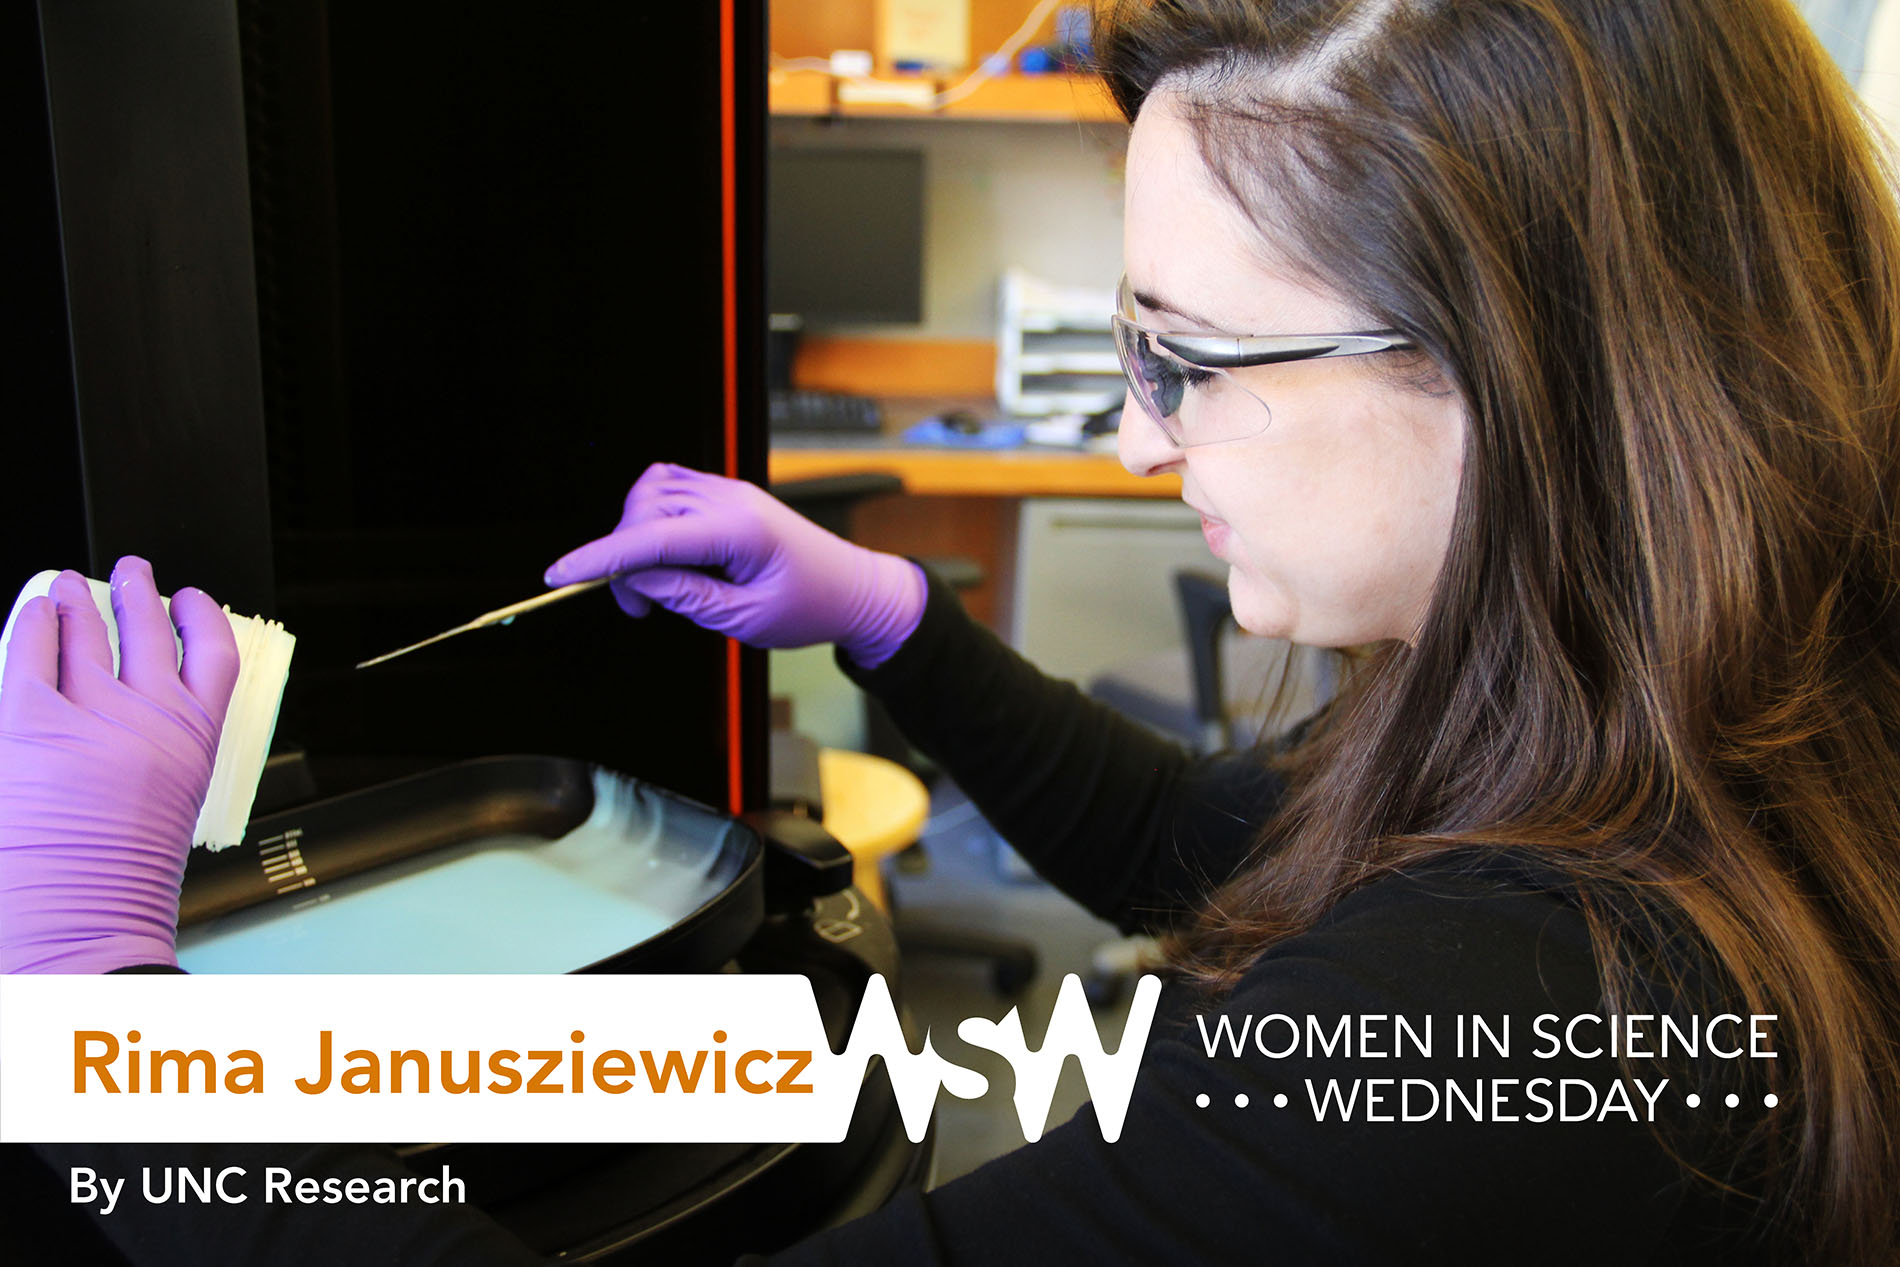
(875, 808)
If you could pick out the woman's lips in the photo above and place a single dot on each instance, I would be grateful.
(1215, 531)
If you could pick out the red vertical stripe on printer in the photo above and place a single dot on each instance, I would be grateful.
(729, 252)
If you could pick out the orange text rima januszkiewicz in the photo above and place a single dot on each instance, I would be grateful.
(102, 1063)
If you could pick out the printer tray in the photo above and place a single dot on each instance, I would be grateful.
(294, 861)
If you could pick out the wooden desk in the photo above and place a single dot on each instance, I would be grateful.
(943, 472)
(965, 502)
(978, 473)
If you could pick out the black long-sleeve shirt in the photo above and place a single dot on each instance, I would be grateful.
(1136, 830)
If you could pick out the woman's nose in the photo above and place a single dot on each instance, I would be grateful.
(1142, 445)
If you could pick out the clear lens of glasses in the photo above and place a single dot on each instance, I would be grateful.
(1192, 404)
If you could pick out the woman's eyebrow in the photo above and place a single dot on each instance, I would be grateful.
(1154, 303)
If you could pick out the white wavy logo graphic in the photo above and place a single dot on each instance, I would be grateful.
(915, 1077)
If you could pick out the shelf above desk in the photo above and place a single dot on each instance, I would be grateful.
(1008, 98)
(977, 473)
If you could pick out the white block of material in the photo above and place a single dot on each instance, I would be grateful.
(264, 651)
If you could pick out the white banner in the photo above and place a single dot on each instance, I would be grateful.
(719, 1058)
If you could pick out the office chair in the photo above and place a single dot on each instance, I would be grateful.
(1209, 694)
(829, 501)
(1209, 691)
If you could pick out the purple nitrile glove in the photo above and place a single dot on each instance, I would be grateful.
(732, 558)
(102, 777)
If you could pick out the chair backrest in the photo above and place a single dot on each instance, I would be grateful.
(1206, 614)
(1207, 618)
(828, 500)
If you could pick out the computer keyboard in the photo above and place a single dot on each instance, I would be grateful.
(801, 410)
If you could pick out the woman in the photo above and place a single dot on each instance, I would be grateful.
(1601, 474)
(1618, 522)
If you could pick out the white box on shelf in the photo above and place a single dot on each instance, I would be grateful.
(1054, 351)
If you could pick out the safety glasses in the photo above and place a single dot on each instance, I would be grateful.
(1183, 380)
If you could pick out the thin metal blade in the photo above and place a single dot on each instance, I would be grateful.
(446, 633)
(500, 616)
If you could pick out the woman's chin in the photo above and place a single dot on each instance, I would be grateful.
(1262, 615)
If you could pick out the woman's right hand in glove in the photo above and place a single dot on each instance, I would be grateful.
(732, 558)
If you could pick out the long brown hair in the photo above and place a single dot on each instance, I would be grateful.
(1653, 247)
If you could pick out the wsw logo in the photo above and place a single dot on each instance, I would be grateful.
(915, 1077)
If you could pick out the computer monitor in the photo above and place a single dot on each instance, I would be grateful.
(845, 236)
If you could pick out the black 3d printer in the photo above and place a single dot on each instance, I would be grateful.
(357, 316)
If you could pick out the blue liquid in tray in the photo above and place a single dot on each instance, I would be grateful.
(506, 903)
